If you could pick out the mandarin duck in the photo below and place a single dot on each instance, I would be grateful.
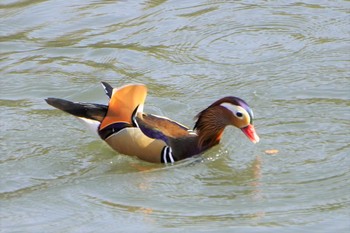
(127, 129)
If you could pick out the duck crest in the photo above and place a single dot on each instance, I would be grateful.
(210, 126)
(212, 121)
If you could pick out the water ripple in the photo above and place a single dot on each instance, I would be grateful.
(289, 60)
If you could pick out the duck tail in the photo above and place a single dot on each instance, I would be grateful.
(89, 111)
(124, 103)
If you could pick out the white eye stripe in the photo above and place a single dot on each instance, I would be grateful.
(251, 114)
(236, 110)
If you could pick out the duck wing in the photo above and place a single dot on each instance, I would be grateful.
(161, 128)
(124, 102)
(182, 141)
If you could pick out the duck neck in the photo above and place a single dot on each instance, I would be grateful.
(210, 126)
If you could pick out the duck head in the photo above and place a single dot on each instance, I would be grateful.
(230, 110)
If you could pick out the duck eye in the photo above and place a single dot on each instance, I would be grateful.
(239, 114)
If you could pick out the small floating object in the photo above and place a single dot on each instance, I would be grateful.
(271, 152)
